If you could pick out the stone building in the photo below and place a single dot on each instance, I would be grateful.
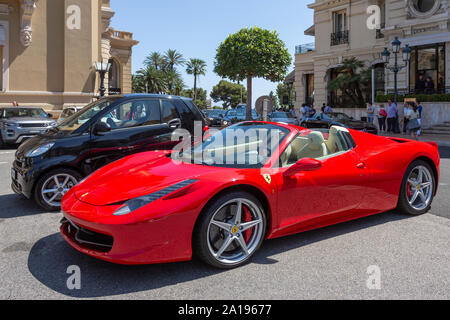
(341, 31)
(48, 49)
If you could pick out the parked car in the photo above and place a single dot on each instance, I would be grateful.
(283, 117)
(68, 112)
(149, 208)
(237, 115)
(321, 120)
(47, 166)
(18, 124)
(214, 117)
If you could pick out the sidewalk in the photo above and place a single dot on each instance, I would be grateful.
(441, 140)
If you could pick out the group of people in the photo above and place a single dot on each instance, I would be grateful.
(424, 85)
(388, 118)
(307, 111)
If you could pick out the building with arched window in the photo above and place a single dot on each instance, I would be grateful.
(48, 49)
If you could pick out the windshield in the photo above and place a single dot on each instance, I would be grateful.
(214, 113)
(340, 116)
(87, 113)
(244, 145)
(282, 115)
(241, 113)
(24, 112)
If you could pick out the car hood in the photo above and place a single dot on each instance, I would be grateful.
(136, 176)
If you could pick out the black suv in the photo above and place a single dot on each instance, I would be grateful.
(48, 165)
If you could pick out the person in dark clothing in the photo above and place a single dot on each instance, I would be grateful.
(420, 85)
(429, 86)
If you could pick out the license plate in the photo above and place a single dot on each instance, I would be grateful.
(14, 174)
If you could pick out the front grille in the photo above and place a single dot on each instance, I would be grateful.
(33, 125)
(87, 238)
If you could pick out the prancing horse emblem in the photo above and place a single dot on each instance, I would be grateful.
(268, 178)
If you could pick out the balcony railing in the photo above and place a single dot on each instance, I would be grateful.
(340, 37)
(308, 47)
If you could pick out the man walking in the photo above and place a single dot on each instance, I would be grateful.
(391, 116)
(419, 109)
(370, 112)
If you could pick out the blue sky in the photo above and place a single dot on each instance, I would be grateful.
(197, 27)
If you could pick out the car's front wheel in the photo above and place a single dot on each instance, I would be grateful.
(230, 230)
(53, 185)
(418, 189)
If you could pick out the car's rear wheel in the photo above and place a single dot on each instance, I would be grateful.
(52, 186)
(230, 230)
(418, 189)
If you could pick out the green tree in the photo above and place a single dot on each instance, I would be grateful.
(201, 100)
(172, 59)
(154, 81)
(138, 84)
(283, 91)
(196, 67)
(156, 60)
(229, 93)
(179, 86)
(252, 53)
(352, 83)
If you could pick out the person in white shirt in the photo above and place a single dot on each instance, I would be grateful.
(405, 117)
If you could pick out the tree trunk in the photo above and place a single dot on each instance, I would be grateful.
(195, 87)
(248, 116)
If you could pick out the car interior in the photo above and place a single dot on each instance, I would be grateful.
(318, 144)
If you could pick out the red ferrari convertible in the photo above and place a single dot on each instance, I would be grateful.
(246, 183)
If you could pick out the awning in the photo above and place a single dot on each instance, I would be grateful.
(424, 40)
(311, 31)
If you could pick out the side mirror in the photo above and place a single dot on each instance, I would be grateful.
(305, 164)
(100, 128)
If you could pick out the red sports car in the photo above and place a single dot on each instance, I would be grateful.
(246, 183)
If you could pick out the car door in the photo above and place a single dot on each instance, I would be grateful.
(335, 189)
(135, 127)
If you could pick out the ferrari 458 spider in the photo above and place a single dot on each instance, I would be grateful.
(246, 183)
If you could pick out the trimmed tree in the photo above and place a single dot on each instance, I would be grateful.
(229, 93)
(252, 53)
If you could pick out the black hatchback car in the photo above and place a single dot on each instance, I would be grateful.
(48, 165)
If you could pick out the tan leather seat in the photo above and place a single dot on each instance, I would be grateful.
(316, 147)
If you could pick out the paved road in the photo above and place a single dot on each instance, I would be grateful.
(412, 253)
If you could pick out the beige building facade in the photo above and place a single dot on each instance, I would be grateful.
(48, 49)
(341, 31)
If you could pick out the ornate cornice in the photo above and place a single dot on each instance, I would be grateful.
(27, 10)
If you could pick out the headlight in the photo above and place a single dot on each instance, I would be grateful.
(137, 203)
(225, 123)
(38, 151)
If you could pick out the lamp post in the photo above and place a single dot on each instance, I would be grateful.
(102, 68)
(396, 67)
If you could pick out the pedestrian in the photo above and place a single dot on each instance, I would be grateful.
(420, 85)
(392, 114)
(370, 112)
(420, 109)
(312, 111)
(429, 85)
(382, 114)
(406, 109)
(15, 104)
(413, 123)
(328, 109)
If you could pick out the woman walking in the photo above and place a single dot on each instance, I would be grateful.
(413, 120)
(382, 114)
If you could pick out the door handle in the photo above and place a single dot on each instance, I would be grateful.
(174, 124)
(361, 165)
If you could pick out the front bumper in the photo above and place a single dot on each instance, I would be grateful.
(22, 178)
(16, 135)
(93, 230)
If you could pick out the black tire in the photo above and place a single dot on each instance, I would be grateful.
(403, 204)
(39, 197)
(2, 144)
(201, 236)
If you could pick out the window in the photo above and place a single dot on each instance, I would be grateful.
(169, 111)
(318, 144)
(339, 21)
(133, 114)
(427, 69)
(423, 5)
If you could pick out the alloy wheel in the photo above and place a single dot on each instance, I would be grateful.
(419, 188)
(55, 187)
(235, 231)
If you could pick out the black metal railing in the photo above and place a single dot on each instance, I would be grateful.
(340, 37)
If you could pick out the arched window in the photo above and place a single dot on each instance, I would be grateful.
(114, 77)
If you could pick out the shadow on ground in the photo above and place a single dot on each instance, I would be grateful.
(444, 152)
(15, 206)
(51, 256)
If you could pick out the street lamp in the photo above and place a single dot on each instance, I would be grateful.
(102, 68)
(396, 67)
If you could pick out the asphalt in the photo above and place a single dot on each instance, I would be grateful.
(412, 254)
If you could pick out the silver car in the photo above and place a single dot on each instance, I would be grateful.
(18, 124)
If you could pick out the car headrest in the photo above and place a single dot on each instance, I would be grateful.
(316, 140)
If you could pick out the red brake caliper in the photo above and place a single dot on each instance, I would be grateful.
(408, 190)
(247, 218)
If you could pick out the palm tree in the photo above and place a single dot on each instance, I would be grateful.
(197, 67)
(173, 58)
(154, 79)
(155, 59)
(179, 86)
(171, 77)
